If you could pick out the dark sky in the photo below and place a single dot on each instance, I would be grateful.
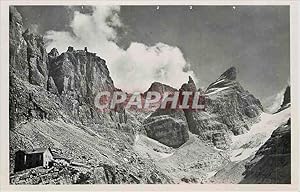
(255, 39)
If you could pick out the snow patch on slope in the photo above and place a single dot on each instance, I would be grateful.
(245, 145)
(211, 174)
(217, 82)
(150, 148)
(216, 90)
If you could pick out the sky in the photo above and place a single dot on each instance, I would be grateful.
(143, 44)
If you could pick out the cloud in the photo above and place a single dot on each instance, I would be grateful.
(133, 69)
(273, 102)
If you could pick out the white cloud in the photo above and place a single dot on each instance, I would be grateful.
(273, 102)
(133, 69)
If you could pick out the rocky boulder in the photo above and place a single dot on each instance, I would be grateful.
(170, 123)
(167, 130)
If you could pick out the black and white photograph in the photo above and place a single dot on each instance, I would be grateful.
(149, 94)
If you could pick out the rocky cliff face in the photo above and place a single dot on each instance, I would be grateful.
(229, 110)
(28, 67)
(236, 107)
(286, 99)
(78, 76)
(69, 80)
(272, 162)
(167, 126)
(167, 130)
(17, 45)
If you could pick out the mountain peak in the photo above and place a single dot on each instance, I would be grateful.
(160, 87)
(227, 79)
(189, 86)
(191, 80)
(229, 74)
(70, 49)
(54, 52)
(287, 96)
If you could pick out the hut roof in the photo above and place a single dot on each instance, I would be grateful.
(57, 156)
(36, 150)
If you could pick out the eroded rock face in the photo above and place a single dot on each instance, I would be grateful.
(287, 96)
(272, 162)
(78, 76)
(168, 137)
(167, 130)
(79, 70)
(17, 45)
(27, 102)
(69, 80)
(286, 99)
(167, 126)
(229, 110)
(51, 86)
(28, 66)
(37, 59)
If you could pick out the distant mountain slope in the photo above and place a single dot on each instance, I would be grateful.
(247, 144)
(272, 162)
(262, 155)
